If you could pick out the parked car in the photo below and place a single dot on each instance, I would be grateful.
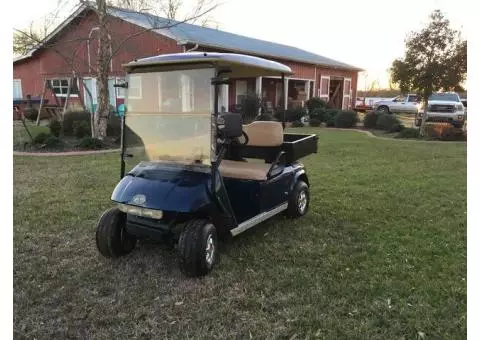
(443, 107)
(409, 103)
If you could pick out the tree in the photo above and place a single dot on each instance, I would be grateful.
(435, 59)
(109, 44)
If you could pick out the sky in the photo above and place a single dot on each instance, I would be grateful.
(369, 34)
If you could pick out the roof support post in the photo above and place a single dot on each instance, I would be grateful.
(307, 89)
(285, 91)
(258, 90)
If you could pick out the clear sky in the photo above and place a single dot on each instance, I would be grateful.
(368, 33)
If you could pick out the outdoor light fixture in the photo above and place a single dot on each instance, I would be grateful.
(139, 211)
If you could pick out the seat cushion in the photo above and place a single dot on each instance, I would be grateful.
(244, 170)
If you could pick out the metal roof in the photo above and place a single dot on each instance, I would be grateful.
(185, 33)
(240, 65)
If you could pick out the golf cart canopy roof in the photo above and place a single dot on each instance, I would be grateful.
(240, 65)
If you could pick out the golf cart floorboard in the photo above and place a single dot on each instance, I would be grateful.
(294, 145)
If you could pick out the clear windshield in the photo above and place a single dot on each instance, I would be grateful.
(449, 97)
(168, 116)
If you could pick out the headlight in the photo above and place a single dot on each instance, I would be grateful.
(139, 211)
(460, 117)
(459, 107)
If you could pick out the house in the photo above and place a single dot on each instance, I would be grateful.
(70, 50)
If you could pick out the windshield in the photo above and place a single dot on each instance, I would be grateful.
(448, 97)
(168, 116)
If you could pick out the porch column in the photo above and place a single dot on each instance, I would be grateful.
(258, 90)
(307, 89)
(285, 94)
(223, 98)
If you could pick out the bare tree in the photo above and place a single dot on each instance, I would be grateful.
(109, 44)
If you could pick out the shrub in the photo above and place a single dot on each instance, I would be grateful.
(52, 141)
(295, 114)
(319, 114)
(330, 115)
(444, 131)
(409, 133)
(81, 129)
(90, 143)
(388, 123)
(251, 104)
(346, 119)
(316, 103)
(370, 120)
(40, 138)
(114, 126)
(55, 128)
(74, 116)
(315, 122)
(30, 113)
(297, 123)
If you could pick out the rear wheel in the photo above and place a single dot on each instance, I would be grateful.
(299, 200)
(111, 237)
(383, 109)
(198, 246)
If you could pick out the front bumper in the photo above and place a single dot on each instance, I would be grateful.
(456, 119)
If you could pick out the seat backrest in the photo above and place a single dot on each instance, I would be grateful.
(264, 133)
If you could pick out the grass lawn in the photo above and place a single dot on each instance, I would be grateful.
(380, 255)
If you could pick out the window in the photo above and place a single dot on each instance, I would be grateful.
(17, 89)
(134, 87)
(323, 91)
(120, 90)
(60, 87)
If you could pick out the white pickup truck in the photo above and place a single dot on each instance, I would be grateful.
(443, 107)
(401, 104)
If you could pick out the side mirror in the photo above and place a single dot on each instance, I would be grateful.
(230, 125)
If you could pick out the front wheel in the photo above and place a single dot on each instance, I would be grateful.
(383, 109)
(198, 246)
(299, 200)
(111, 237)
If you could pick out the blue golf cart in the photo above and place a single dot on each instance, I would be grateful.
(195, 174)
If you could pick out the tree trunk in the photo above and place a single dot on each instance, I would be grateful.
(103, 62)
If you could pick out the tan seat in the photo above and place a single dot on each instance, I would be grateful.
(260, 133)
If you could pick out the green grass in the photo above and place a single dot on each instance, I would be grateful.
(380, 255)
(20, 134)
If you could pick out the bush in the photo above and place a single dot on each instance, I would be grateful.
(81, 129)
(346, 119)
(74, 116)
(409, 133)
(40, 138)
(389, 123)
(319, 114)
(55, 127)
(315, 122)
(316, 103)
(297, 123)
(52, 141)
(370, 120)
(114, 126)
(330, 115)
(30, 113)
(295, 114)
(251, 105)
(90, 143)
(444, 131)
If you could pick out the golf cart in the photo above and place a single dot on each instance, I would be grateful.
(196, 174)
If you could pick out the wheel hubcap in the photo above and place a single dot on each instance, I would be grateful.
(302, 201)
(210, 250)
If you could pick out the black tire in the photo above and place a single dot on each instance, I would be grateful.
(295, 209)
(383, 109)
(111, 237)
(193, 247)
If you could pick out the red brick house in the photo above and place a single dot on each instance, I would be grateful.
(71, 49)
